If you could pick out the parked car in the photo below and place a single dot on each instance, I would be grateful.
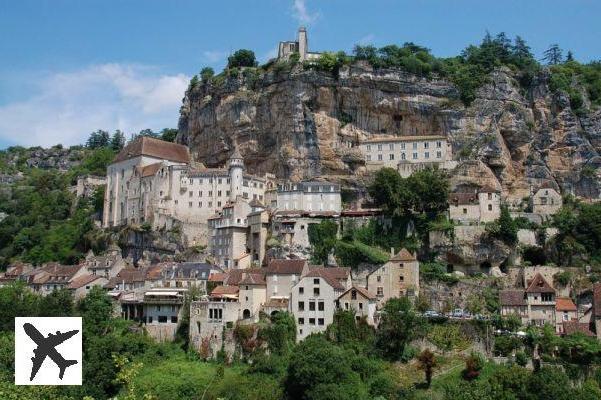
(431, 314)
(457, 313)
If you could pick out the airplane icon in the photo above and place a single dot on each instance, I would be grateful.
(47, 348)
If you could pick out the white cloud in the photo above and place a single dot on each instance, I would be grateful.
(66, 107)
(301, 13)
(214, 56)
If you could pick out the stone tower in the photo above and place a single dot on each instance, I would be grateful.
(235, 166)
(303, 44)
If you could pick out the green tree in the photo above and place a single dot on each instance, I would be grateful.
(117, 141)
(322, 238)
(242, 58)
(319, 370)
(169, 134)
(399, 325)
(206, 74)
(280, 334)
(553, 55)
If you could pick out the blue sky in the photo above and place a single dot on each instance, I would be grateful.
(68, 67)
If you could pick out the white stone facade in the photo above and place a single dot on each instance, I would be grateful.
(309, 196)
(475, 207)
(407, 154)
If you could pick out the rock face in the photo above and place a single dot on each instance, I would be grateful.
(301, 124)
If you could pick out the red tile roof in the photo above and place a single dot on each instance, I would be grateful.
(571, 327)
(286, 267)
(538, 284)
(403, 255)
(83, 280)
(147, 146)
(362, 291)
(253, 279)
(225, 290)
(150, 170)
(323, 273)
(512, 298)
(217, 277)
(565, 304)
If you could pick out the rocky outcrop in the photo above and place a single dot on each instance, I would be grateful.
(303, 123)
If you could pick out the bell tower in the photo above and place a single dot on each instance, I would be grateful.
(235, 166)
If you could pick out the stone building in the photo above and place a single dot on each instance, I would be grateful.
(407, 154)
(252, 295)
(292, 227)
(399, 277)
(155, 182)
(258, 223)
(514, 302)
(565, 311)
(88, 184)
(313, 301)
(228, 230)
(360, 301)
(483, 205)
(135, 279)
(546, 201)
(187, 275)
(282, 275)
(309, 197)
(300, 46)
(107, 265)
(540, 296)
(82, 285)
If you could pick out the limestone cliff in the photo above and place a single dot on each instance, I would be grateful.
(302, 123)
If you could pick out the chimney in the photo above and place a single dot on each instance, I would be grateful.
(392, 252)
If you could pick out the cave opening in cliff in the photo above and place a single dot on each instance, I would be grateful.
(485, 266)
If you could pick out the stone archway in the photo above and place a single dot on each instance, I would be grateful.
(246, 314)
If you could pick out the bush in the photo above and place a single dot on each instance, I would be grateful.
(242, 58)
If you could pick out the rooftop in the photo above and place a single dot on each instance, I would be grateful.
(147, 146)
(512, 297)
(404, 139)
(538, 284)
(286, 267)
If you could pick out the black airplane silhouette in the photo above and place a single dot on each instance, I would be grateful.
(46, 347)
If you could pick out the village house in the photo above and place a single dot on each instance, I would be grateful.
(155, 182)
(309, 197)
(135, 279)
(82, 285)
(514, 302)
(107, 265)
(565, 311)
(282, 275)
(360, 301)
(300, 47)
(252, 295)
(313, 301)
(212, 320)
(540, 296)
(479, 206)
(53, 276)
(399, 277)
(407, 154)
(160, 310)
(258, 223)
(546, 200)
(15, 272)
(187, 275)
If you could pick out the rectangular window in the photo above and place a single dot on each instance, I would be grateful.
(219, 193)
(438, 154)
(391, 156)
(402, 146)
(162, 319)
(174, 319)
(316, 291)
(368, 157)
(438, 144)
(368, 147)
(316, 281)
(380, 291)
(311, 321)
(320, 321)
(391, 146)
(379, 157)
(301, 321)
(301, 290)
(360, 306)
(379, 147)
(427, 154)
(320, 306)
(414, 146)
(415, 156)
(311, 306)
(301, 306)
(426, 145)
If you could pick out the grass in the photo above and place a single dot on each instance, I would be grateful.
(178, 377)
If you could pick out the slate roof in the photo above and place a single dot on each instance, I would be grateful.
(538, 284)
(147, 146)
(512, 297)
(565, 304)
(286, 267)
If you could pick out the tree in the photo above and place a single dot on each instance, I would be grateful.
(242, 58)
(521, 50)
(570, 56)
(206, 74)
(322, 238)
(98, 139)
(117, 141)
(553, 55)
(193, 82)
(399, 325)
(473, 365)
(169, 134)
(320, 370)
(280, 334)
(427, 363)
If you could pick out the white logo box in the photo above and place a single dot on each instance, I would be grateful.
(56, 329)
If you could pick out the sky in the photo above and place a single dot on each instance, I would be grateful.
(70, 67)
